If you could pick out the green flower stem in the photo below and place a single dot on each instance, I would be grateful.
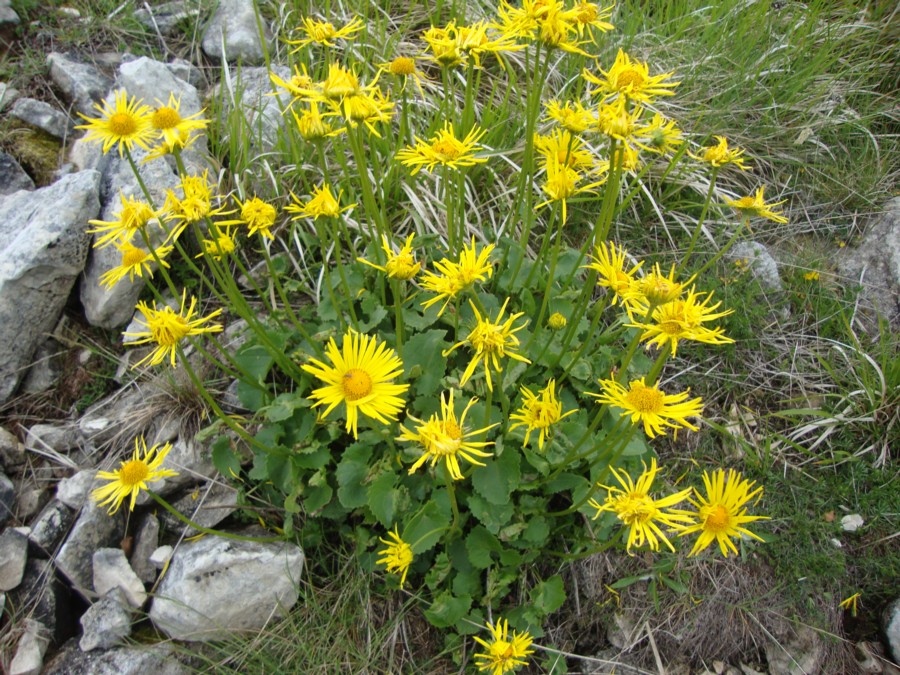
(629, 354)
(326, 270)
(398, 311)
(573, 454)
(611, 194)
(488, 398)
(449, 206)
(550, 274)
(205, 530)
(285, 301)
(696, 234)
(745, 220)
(657, 367)
(339, 260)
(323, 167)
(373, 210)
(588, 340)
(454, 507)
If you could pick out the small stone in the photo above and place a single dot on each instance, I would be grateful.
(13, 556)
(760, 262)
(106, 623)
(43, 116)
(111, 570)
(8, 95)
(868, 658)
(75, 490)
(12, 176)
(29, 658)
(42, 437)
(852, 522)
(146, 542)
(167, 16)
(155, 659)
(232, 33)
(890, 624)
(80, 83)
(7, 499)
(161, 556)
(29, 501)
(51, 526)
(95, 529)
(12, 452)
(8, 16)
(46, 368)
(45, 596)
(206, 508)
(836, 543)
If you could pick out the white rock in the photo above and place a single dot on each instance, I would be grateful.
(232, 33)
(13, 556)
(836, 543)
(852, 522)
(75, 490)
(215, 585)
(42, 116)
(106, 623)
(890, 624)
(29, 658)
(161, 556)
(760, 262)
(80, 83)
(94, 529)
(40, 437)
(111, 570)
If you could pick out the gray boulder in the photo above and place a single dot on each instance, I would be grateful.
(43, 116)
(165, 17)
(43, 246)
(262, 112)
(207, 506)
(215, 586)
(111, 570)
(12, 176)
(13, 556)
(29, 658)
(232, 33)
(75, 490)
(50, 527)
(146, 542)
(157, 659)
(93, 530)
(890, 625)
(81, 83)
(106, 623)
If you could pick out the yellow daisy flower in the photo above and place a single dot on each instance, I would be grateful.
(399, 265)
(557, 321)
(491, 341)
(720, 154)
(539, 412)
(360, 377)
(482, 38)
(195, 204)
(616, 120)
(324, 32)
(609, 262)
(571, 116)
(135, 261)
(398, 555)
(311, 124)
(683, 319)
(445, 149)
(167, 328)
(258, 216)
(630, 79)
(404, 68)
(562, 148)
(455, 277)
(554, 26)
(590, 15)
(655, 288)
(650, 405)
(643, 515)
(561, 183)
(173, 129)
(503, 654)
(132, 476)
(756, 206)
(300, 84)
(445, 437)
(134, 215)
(660, 135)
(367, 107)
(722, 515)
(124, 124)
(322, 204)
(220, 245)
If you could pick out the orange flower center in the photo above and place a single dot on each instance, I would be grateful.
(452, 430)
(357, 384)
(133, 472)
(629, 78)
(446, 149)
(133, 256)
(717, 520)
(122, 124)
(166, 118)
(645, 399)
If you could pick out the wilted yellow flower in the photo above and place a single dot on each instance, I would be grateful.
(132, 476)
(491, 341)
(398, 555)
(630, 79)
(616, 120)
(367, 106)
(503, 654)
(339, 82)
(850, 603)
(324, 32)
(443, 148)
(135, 261)
(756, 206)
(323, 203)
(643, 515)
(650, 405)
(445, 437)
(571, 116)
(399, 265)
(720, 154)
(683, 319)
(655, 288)
(455, 277)
(134, 215)
(539, 412)
(124, 124)
(311, 124)
(167, 328)
(258, 216)
(195, 205)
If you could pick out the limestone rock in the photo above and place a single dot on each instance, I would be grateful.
(58, 437)
(46, 368)
(75, 490)
(890, 624)
(43, 116)
(13, 556)
(161, 556)
(263, 112)
(7, 499)
(232, 33)
(12, 176)
(205, 506)
(111, 570)
(106, 623)
(44, 597)
(157, 659)
(8, 16)
(81, 83)
(29, 658)
(8, 95)
(43, 246)
(165, 17)
(51, 526)
(192, 461)
(93, 530)
(761, 263)
(146, 542)
(216, 585)
(800, 655)
(12, 452)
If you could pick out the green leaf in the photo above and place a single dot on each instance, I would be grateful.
(312, 460)
(427, 526)
(251, 396)
(283, 407)
(350, 473)
(480, 544)
(467, 583)
(425, 352)
(382, 499)
(447, 609)
(498, 478)
(566, 264)
(420, 320)
(317, 496)
(674, 584)
(372, 309)
(581, 370)
(254, 361)
(537, 531)
(280, 472)
(224, 458)
(491, 516)
(548, 596)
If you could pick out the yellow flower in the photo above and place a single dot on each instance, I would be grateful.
(589, 14)
(561, 183)
(491, 341)
(455, 277)
(134, 262)
(811, 276)
(300, 84)
(557, 321)
(683, 319)
(571, 116)
(399, 265)
(360, 377)
(258, 216)
(220, 245)
(630, 79)
(134, 215)
(445, 437)
(311, 124)
(366, 107)
(609, 263)
(650, 405)
(339, 82)
(615, 120)
(444, 149)
(398, 555)
(132, 476)
(722, 513)
(123, 124)
(720, 154)
(554, 24)
(324, 33)
(564, 149)
(444, 48)
(503, 654)
(654, 289)
(167, 328)
(322, 204)
(643, 515)
(195, 205)
(172, 127)
(404, 68)
(850, 603)
(756, 206)
(539, 412)
(661, 136)
(483, 38)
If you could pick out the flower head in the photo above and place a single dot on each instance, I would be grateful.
(683, 319)
(562, 148)
(655, 288)
(720, 154)
(311, 124)
(590, 15)
(561, 184)
(455, 277)
(660, 135)
(134, 215)
(609, 262)
(503, 654)
(756, 206)
(195, 205)
(616, 120)
(400, 265)
(167, 328)
(446, 437)
(324, 32)
(557, 321)
(299, 85)
(398, 555)
(630, 79)
(360, 376)
(220, 245)
(850, 603)
(322, 204)
(135, 261)
(650, 405)
(404, 68)
(444, 149)
(722, 513)
(643, 515)
(539, 412)
(132, 476)
(173, 129)
(571, 116)
(258, 216)
(491, 341)
(124, 124)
